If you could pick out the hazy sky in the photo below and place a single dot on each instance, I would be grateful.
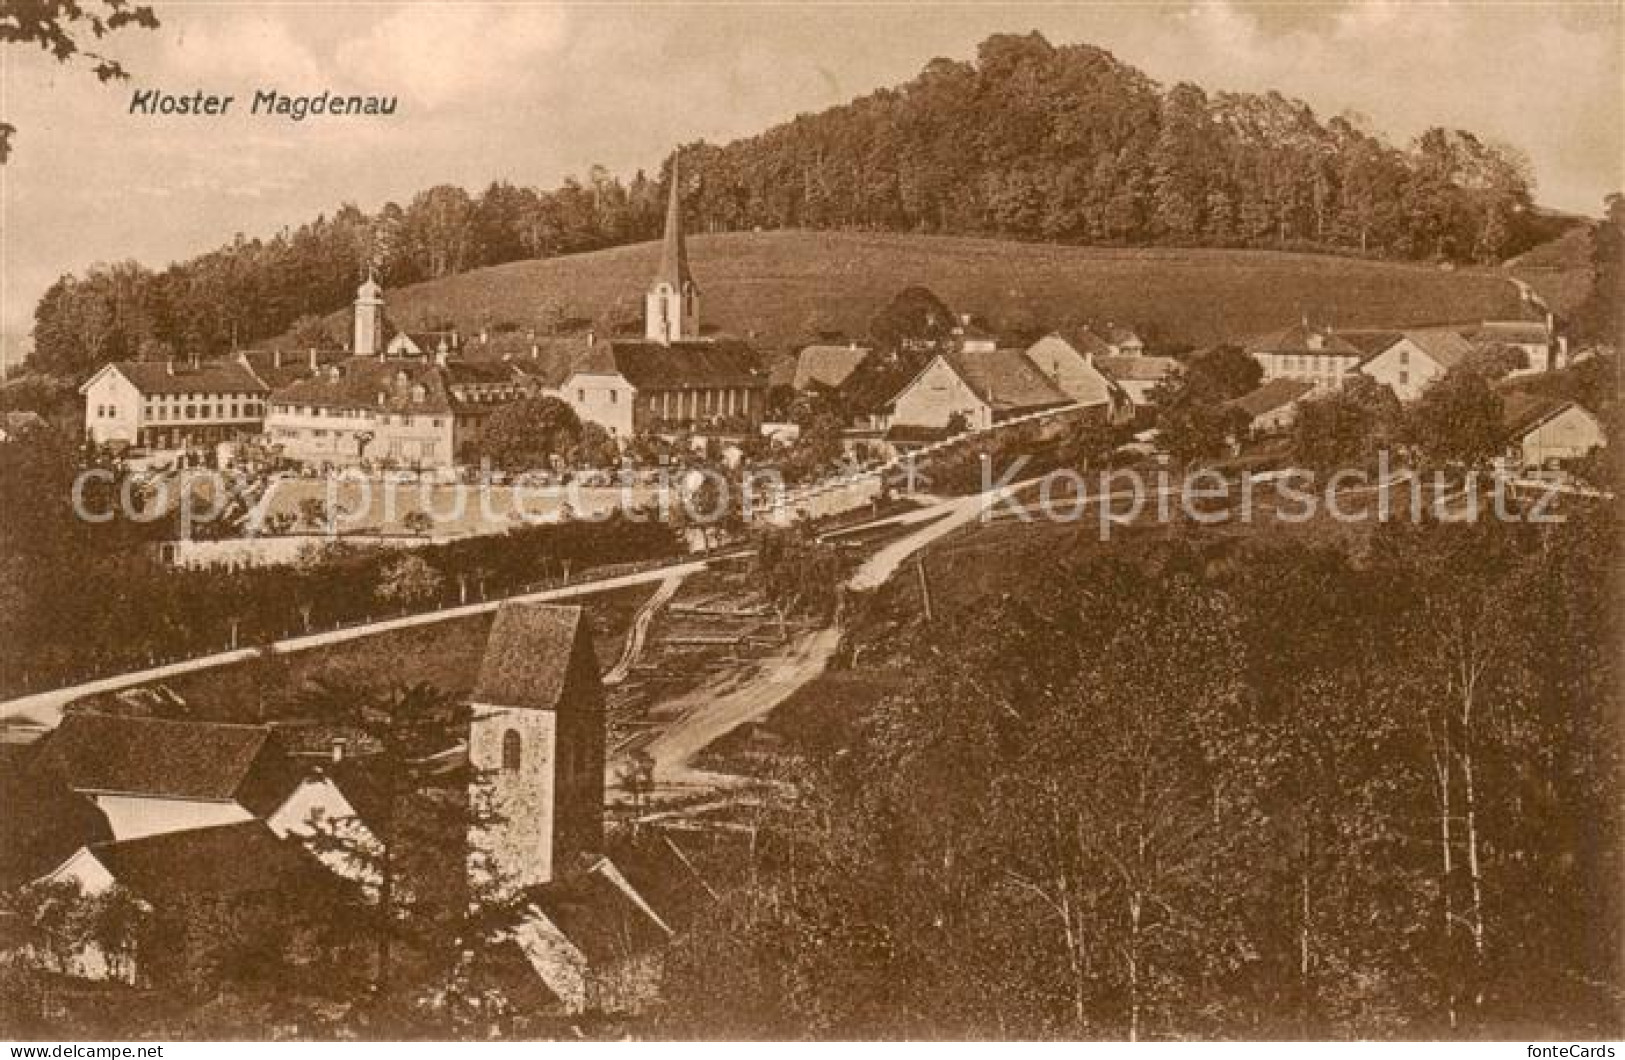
(532, 92)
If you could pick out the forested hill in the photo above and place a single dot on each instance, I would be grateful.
(1067, 143)
(1029, 141)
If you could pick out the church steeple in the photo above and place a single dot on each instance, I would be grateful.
(369, 317)
(672, 306)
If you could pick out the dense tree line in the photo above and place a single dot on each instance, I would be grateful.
(253, 289)
(1205, 790)
(1068, 143)
(1029, 141)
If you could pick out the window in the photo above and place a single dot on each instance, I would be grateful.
(613, 396)
(1404, 356)
(581, 396)
(1404, 378)
(511, 751)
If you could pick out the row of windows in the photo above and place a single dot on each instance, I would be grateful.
(387, 419)
(221, 411)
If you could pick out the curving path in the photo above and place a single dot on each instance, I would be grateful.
(641, 622)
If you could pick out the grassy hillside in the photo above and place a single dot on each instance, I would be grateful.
(779, 286)
(1559, 270)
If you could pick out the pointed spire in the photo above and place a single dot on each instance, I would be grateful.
(674, 251)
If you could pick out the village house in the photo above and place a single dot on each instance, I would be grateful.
(244, 865)
(1074, 367)
(1541, 431)
(153, 776)
(1314, 354)
(164, 405)
(1273, 407)
(673, 378)
(980, 387)
(1408, 362)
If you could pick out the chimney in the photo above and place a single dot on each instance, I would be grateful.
(535, 352)
(169, 366)
(313, 358)
(485, 337)
(276, 357)
(592, 338)
(339, 746)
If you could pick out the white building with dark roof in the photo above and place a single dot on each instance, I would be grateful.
(165, 405)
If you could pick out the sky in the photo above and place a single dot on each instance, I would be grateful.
(533, 92)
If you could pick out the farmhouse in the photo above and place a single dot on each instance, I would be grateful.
(1542, 430)
(1314, 354)
(980, 387)
(673, 378)
(1408, 362)
(162, 405)
(1073, 365)
(1273, 406)
(244, 866)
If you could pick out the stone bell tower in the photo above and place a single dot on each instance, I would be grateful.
(671, 309)
(369, 318)
(535, 748)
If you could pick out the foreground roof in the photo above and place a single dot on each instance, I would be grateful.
(598, 916)
(163, 758)
(232, 859)
(531, 655)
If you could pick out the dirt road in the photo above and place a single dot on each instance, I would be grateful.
(718, 707)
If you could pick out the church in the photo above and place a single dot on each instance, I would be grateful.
(674, 378)
(597, 914)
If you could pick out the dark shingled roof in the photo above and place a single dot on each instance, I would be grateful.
(1005, 379)
(170, 759)
(372, 383)
(1272, 395)
(1521, 411)
(598, 917)
(662, 876)
(678, 366)
(42, 821)
(1298, 339)
(231, 376)
(1130, 368)
(531, 654)
(232, 859)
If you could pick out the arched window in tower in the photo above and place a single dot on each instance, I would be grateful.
(511, 751)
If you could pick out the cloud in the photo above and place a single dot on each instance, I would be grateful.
(240, 48)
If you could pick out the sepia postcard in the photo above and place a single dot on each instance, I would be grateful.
(766, 521)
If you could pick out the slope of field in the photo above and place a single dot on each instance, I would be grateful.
(777, 287)
(1559, 270)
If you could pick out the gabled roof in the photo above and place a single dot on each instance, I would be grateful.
(232, 859)
(1273, 395)
(163, 759)
(599, 918)
(531, 656)
(1131, 369)
(1445, 346)
(228, 376)
(677, 366)
(827, 365)
(42, 820)
(1084, 340)
(1004, 378)
(1522, 412)
(1300, 339)
(1520, 331)
(1119, 335)
(662, 876)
